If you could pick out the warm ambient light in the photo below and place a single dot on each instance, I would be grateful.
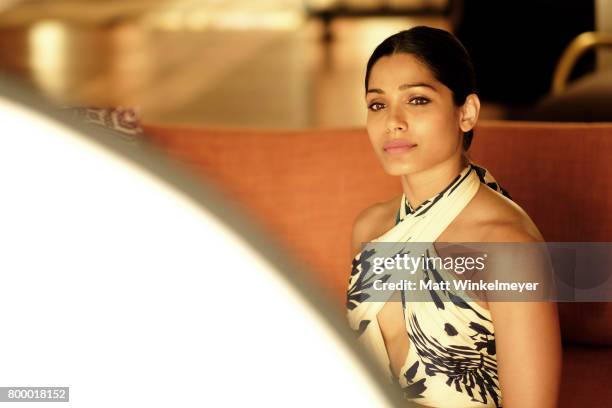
(118, 283)
(47, 44)
(228, 15)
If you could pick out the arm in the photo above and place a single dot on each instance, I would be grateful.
(527, 334)
(528, 353)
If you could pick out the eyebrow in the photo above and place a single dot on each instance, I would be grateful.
(402, 87)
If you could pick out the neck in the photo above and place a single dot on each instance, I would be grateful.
(420, 186)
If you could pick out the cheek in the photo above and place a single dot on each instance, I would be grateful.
(436, 120)
(440, 128)
(373, 121)
(438, 135)
(375, 132)
(375, 141)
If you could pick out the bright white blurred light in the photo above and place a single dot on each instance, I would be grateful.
(121, 288)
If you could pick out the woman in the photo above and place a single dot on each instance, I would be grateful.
(422, 107)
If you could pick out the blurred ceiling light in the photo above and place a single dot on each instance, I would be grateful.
(230, 15)
(320, 4)
(277, 20)
(47, 45)
(175, 21)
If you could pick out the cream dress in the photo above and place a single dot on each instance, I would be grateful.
(451, 360)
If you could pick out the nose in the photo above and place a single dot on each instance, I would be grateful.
(396, 122)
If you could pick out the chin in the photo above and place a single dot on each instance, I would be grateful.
(400, 169)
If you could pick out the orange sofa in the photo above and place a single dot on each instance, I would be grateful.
(306, 188)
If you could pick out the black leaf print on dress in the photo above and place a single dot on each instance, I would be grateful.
(411, 372)
(459, 302)
(450, 329)
(485, 339)
(362, 326)
(480, 172)
(356, 293)
(362, 279)
(413, 389)
(434, 296)
(456, 300)
(466, 368)
(479, 328)
(490, 389)
(361, 259)
(430, 270)
(491, 347)
(495, 186)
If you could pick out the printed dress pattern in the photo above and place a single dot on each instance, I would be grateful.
(451, 360)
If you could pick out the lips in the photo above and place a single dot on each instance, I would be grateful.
(398, 146)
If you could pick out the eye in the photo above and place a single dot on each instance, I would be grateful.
(419, 100)
(375, 106)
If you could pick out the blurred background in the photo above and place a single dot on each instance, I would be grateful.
(210, 75)
(294, 63)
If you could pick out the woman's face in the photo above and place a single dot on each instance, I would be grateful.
(409, 107)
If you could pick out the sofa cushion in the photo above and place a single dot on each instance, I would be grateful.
(585, 379)
(558, 173)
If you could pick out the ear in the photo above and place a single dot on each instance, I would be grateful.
(468, 115)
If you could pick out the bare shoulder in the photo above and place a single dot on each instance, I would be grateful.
(496, 218)
(373, 222)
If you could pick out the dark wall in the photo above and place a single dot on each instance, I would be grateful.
(516, 44)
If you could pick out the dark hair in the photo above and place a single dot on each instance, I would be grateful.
(442, 53)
